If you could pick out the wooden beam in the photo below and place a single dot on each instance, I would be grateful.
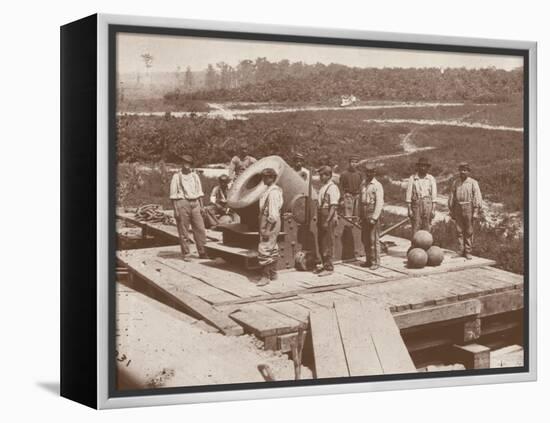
(328, 351)
(473, 356)
(361, 355)
(390, 348)
(458, 310)
(502, 302)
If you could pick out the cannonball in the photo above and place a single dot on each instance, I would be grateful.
(435, 255)
(422, 239)
(417, 258)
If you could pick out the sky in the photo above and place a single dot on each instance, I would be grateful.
(169, 52)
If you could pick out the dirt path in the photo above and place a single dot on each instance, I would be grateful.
(159, 346)
(221, 110)
(447, 122)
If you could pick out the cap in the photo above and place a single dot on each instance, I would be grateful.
(268, 171)
(325, 170)
(355, 157)
(299, 156)
(464, 165)
(423, 161)
(187, 158)
(369, 168)
(223, 177)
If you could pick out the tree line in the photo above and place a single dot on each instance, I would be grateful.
(263, 81)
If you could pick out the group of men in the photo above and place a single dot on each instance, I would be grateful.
(359, 197)
(464, 203)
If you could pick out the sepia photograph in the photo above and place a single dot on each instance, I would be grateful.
(290, 211)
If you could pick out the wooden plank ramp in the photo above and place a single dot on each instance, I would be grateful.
(357, 338)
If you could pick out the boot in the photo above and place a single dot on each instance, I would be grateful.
(273, 271)
(265, 279)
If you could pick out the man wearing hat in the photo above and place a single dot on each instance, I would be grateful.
(218, 203)
(186, 195)
(421, 196)
(298, 166)
(464, 206)
(372, 201)
(350, 185)
(271, 203)
(329, 197)
(238, 165)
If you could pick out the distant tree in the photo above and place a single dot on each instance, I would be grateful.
(245, 72)
(224, 75)
(148, 61)
(188, 82)
(211, 79)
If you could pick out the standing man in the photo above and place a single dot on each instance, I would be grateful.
(329, 197)
(271, 202)
(298, 166)
(350, 185)
(421, 196)
(372, 201)
(464, 205)
(238, 165)
(186, 195)
(218, 203)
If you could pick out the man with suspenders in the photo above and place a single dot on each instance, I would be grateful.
(329, 197)
(420, 197)
(186, 195)
(271, 203)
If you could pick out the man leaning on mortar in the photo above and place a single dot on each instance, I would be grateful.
(186, 195)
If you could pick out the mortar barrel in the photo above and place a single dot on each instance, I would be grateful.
(248, 187)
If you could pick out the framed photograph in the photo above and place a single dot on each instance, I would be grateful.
(254, 211)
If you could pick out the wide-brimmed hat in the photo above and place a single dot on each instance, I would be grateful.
(299, 156)
(464, 165)
(187, 158)
(423, 161)
(268, 171)
(223, 178)
(354, 157)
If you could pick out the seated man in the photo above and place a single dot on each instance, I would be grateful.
(217, 211)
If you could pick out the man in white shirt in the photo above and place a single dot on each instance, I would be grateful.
(238, 165)
(329, 198)
(420, 197)
(186, 195)
(271, 203)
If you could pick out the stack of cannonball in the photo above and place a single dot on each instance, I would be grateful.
(423, 252)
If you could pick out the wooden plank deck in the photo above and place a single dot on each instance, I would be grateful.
(228, 298)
